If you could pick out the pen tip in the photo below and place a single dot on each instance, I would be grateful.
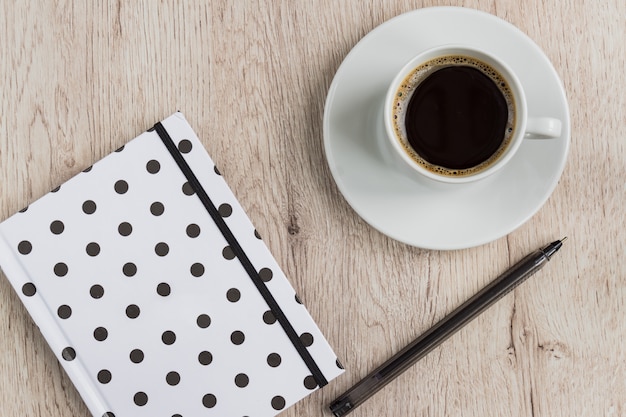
(564, 239)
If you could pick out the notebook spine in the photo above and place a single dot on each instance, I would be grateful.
(43, 317)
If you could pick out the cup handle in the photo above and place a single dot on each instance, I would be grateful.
(542, 128)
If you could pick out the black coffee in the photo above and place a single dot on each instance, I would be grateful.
(454, 115)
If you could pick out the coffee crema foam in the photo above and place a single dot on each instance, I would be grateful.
(416, 77)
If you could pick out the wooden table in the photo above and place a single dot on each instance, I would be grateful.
(81, 78)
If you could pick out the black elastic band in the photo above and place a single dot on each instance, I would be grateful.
(241, 255)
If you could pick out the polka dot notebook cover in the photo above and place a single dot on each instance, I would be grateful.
(155, 291)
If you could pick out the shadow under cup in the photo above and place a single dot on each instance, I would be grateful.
(455, 114)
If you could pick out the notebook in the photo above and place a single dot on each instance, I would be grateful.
(155, 291)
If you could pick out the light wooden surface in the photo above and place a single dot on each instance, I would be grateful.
(78, 79)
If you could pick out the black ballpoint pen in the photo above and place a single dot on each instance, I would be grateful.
(441, 331)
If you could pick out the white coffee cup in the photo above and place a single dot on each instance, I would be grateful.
(521, 127)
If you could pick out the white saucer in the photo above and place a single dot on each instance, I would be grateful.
(417, 212)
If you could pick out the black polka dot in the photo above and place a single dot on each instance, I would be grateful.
(64, 311)
(96, 291)
(89, 168)
(237, 337)
(89, 207)
(187, 189)
(136, 356)
(55, 189)
(24, 247)
(157, 208)
(309, 382)
(172, 378)
(233, 295)
(140, 398)
(153, 166)
(29, 289)
(278, 403)
(133, 311)
(228, 253)
(256, 234)
(93, 249)
(184, 146)
(268, 317)
(125, 229)
(197, 269)
(161, 249)
(225, 210)
(108, 414)
(120, 149)
(129, 269)
(339, 364)
(57, 227)
(209, 400)
(203, 321)
(104, 376)
(306, 339)
(24, 209)
(298, 300)
(193, 230)
(100, 334)
(69, 354)
(164, 289)
(217, 171)
(242, 380)
(60, 269)
(205, 357)
(266, 274)
(121, 187)
(168, 337)
(274, 359)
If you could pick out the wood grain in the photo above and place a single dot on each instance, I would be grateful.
(80, 78)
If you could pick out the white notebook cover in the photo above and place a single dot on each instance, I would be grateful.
(142, 299)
